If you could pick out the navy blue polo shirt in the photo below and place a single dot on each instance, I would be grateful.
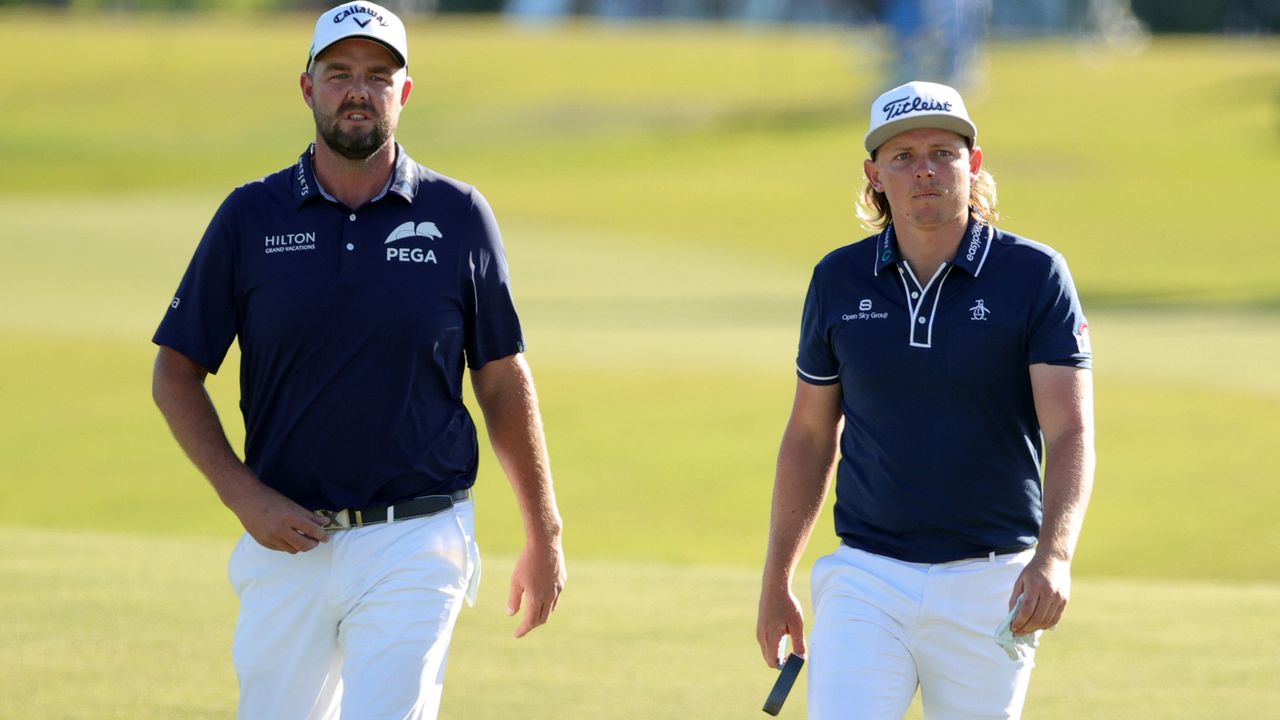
(941, 448)
(353, 328)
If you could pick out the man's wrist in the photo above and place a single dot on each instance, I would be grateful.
(777, 579)
(546, 531)
(1053, 553)
(238, 490)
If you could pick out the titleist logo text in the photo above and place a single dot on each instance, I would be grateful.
(902, 106)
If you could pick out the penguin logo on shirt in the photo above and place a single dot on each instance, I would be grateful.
(979, 311)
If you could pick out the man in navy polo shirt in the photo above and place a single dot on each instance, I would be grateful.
(357, 283)
(947, 359)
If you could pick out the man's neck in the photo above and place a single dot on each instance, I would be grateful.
(925, 249)
(353, 182)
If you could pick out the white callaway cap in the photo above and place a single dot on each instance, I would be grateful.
(360, 20)
(918, 105)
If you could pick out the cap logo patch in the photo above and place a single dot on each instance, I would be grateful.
(355, 10)
(906, 105)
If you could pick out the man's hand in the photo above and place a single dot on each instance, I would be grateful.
(780, 616)
(277, 522)
(274, 520)
(536, 583)
(1045, 586)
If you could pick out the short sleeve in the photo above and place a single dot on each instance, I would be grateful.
(816, 362)
(1059, 331)
(202, 319)
(492, 325)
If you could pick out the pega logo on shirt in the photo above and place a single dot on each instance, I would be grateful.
(289, 242)
(415, 254)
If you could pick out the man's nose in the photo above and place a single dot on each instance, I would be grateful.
(358, 89)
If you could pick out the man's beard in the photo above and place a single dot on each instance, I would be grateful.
(353, 146)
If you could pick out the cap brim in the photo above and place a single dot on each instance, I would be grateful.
(940, 121)
(394, 52)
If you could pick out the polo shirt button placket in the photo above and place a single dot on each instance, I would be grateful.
(348, 271)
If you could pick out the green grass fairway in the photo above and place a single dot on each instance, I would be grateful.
(130, 627)
(664, 389)
(664, 194)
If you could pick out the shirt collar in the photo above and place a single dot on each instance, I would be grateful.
(404, 177)
(970, 256)
(886, 249)
(974, 247)
(403, 180)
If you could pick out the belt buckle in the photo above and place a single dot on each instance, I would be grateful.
(335, 519)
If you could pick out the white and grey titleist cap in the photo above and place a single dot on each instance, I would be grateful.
(918, 105)
(360, 20)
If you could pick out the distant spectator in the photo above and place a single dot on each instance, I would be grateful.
(936, 40)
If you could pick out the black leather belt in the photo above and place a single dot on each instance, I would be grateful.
(348, 518)
(1010, 550)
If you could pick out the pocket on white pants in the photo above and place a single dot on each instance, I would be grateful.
(464, 515)
(237, 573)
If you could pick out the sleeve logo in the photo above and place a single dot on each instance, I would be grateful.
(1082, 339)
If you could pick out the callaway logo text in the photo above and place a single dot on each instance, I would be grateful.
(354, 10)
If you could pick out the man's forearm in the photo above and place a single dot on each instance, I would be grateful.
(1068, 483)
(804, 466)
(510, 406)
(179, 392)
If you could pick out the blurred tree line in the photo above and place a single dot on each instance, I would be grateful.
(1161, 16)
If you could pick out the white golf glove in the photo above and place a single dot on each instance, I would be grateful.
(1015, 646)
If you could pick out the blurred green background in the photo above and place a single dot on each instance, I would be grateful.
(664, 192)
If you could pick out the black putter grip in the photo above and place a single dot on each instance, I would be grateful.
(786, 678)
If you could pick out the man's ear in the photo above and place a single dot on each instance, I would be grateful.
(307, 84)
(404, 91)
(873, 175)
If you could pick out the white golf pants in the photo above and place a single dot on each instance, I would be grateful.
(357, 628)
(882, 626)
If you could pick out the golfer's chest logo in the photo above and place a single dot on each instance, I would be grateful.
(406, 253)
(979, 311)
